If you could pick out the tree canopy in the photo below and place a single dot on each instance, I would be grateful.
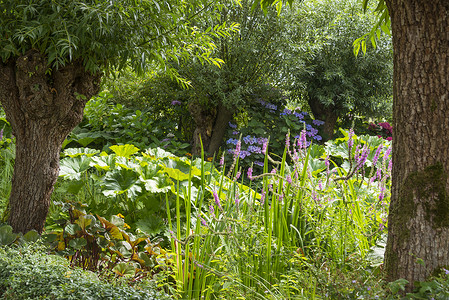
(107, 35)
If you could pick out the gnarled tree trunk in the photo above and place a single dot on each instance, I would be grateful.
(328, 114)
(42, 106)
(211, 124)
(418, 224)
(224, 115)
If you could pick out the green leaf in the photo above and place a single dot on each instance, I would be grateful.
(31, 236)
(124, 269)
(6, 235)
(121, 181)
(73, 167)
(72, 229)
(124, 150)
(157, 185)
(104, 163)
(74, 152)
(83, 222)
(78, 243)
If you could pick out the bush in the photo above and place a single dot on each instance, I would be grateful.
(26, 272)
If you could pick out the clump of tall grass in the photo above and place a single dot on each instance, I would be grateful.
(298, 230)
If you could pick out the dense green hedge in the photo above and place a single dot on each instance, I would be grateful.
(26, 272)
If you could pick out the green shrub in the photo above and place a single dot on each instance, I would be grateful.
(26, 272)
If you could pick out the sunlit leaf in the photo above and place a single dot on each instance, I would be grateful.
(124, 150)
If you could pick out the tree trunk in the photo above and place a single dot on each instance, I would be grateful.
(42, 106)
(204, 117)
(418, 223)
(328, 114)
(211, 125)
(224, 115)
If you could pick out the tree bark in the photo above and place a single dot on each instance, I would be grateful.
(418, 223)
(43, 106)
(328, 114)
(224, 115)
(211, 124)
(204, 118)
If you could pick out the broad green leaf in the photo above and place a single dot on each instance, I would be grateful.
(6, 235)
(31, 236)
(72, 229)
(73, 167)
(124, 150)
(157, 185)
(78, 243)
(104, 162)
(127, 163)
(74, 152)
(176, 174)
(157, 152)
(124, 269)
(122, 181)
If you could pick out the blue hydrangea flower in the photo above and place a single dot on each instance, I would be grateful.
(244, 154)
(317, 122)
(232, 141)
(299, 115)
(232, 125)
(259, 163)
(254, 149)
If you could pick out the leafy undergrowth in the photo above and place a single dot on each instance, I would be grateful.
(27, 272)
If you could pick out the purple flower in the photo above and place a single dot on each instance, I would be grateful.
(237, 149)
(264, 147)
(446, 271)
(289, 179)
(237, 176)
(217, 200)
(387, 153)
(350, 141)
(244, 154)
(250, 173)
(176, 102)
(232, 141)
(232, 125)
(235, 132)
(203, 221)
(262, 140)
(317, 122)
(262, 197)
(363, 156)
(211, 209)
(1, 134)
(287, 141)
(299, 115)
(259, 163)
(237, 200)
(287, 111)
(254, 149)
(222, 160)
(302, 142)
(376, 155)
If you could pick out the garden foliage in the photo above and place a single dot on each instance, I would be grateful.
(27, 272)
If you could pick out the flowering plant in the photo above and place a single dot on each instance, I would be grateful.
(268, 120)
(382, 129)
